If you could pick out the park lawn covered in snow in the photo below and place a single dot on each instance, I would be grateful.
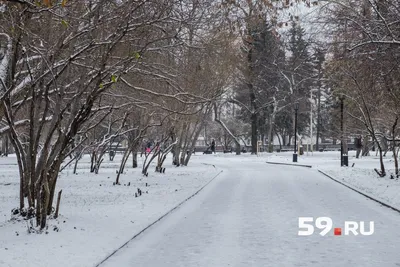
(96, 217)
(361, 176)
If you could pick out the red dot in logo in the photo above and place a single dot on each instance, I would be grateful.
(338, 231)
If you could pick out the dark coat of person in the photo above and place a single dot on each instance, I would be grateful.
(213, 146)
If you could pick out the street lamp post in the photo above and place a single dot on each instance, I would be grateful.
(296, 108)
(344, 160)
(311, 121)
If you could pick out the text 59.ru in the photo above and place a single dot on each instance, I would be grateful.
(325, 224)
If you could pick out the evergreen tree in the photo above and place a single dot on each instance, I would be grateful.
(299, 74)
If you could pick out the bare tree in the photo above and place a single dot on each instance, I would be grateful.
(60, 72)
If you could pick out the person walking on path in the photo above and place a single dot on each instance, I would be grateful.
(213, 146)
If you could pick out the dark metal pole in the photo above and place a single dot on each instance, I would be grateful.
(341, 130)
(295, 135)
(318, 118)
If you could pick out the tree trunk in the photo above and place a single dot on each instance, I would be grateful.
(252, 98)
(283, 138)
(98, 163)
(194, 140)
(93, 161)
(38, 208)
(289, 140)
(254, 133)
(147, 164)
(235, 139)
(188, 136)
(58, 204)
(396, 162)
(45, 203)
(178, 147)
(279, 140)
(5, 145)
(52, 177)
(76, 164)
(365, 148)
(122, 165)
(382, 165)
(271, 133)
(134, 159)
(237, 147)
(383, 172)
(21, 191)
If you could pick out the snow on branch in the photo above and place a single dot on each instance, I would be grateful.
(20, 123)
(6, 52)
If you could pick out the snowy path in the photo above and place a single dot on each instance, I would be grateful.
(249, 217)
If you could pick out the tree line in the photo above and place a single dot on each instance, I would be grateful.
(81, 77)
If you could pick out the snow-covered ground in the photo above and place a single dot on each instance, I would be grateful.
(247, 216)
(96, 217)
(361, 176)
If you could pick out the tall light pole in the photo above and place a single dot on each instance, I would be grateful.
(341, 130)
(344, 160)
(318, 118)
(296, 108)
(311, 121)
(311, 133)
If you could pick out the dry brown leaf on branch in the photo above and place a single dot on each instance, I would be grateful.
(47, 3)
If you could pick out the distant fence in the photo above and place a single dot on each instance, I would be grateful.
(322, 147)
(277, 148)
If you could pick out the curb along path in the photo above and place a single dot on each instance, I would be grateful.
(344, 184)
(158, 220)
(360, 192)
(289, 164)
